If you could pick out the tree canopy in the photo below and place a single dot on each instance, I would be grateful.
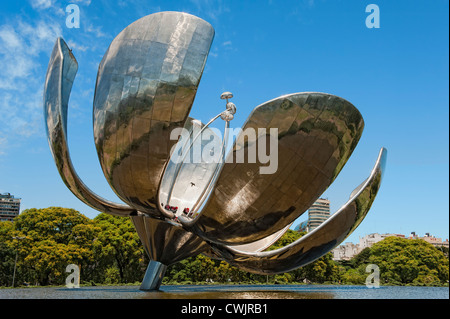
(404, 261)
(47, 240)
(108, 251)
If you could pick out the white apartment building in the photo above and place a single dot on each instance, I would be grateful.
(349, 250)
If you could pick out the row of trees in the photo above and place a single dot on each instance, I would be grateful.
(42, 242)
(400, 261)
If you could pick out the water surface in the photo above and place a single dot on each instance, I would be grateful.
(230, 292)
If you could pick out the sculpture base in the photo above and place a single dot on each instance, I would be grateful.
(153, 276)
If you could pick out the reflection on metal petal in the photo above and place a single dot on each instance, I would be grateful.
(318, 242)
(58, 84)
(317, 133)
(190, 170)
(145, 89)
(262, 244)
(167, 242)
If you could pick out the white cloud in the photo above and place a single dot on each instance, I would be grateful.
(41, 4)
(20, 46)
(9, 37)
(77, 47)
(212, 9)
(83, 2)
(97, 31)
(24, 47)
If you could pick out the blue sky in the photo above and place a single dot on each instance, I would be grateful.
(396, 75)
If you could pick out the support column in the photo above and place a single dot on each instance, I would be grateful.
(153, 276)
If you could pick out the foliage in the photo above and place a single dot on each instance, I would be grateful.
(401, 262)
(404, 261)
(118, 244)
(205, 269)
(108, 251)
(47, 240)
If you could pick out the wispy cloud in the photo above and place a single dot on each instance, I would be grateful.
(83, 2)
(211, 8)
(78, 47)
(22, 45)
(41, 4)
(25, 46)
(96, 30)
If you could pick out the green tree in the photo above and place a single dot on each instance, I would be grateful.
(7, 253)
(117, 245)
(353, 276)
(288, 238)
(405, 261)
(52, 238)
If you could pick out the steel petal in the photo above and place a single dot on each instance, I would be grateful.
(146, 84)
(317, 133)
(61, 73)
(165, 241)
(318, 242)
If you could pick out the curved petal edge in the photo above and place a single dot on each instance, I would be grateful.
(61, 73)
(318, 242)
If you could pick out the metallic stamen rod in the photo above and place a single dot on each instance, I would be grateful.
(178, 169)
(226, 96)
(206, 191)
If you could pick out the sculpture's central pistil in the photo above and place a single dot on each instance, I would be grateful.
(183, 190)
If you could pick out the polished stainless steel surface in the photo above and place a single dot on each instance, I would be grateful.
(153, 276)
(319, 241)
(186, 174)
(227, 206)
(146, 86)
(194, 165)
(58, 84)
(165, 241)
(317, 133)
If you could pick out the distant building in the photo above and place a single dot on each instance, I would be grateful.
(369, 240)
(9, 207)
(437, 242)
(349, 250)
(318, 213)
(346, 251)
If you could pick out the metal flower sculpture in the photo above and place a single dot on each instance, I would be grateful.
(229, 210)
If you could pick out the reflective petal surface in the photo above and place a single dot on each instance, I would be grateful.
(166, 242)
(146, 86)
(319, 241)
(61, 72)
(316, 135)
(188, 173)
